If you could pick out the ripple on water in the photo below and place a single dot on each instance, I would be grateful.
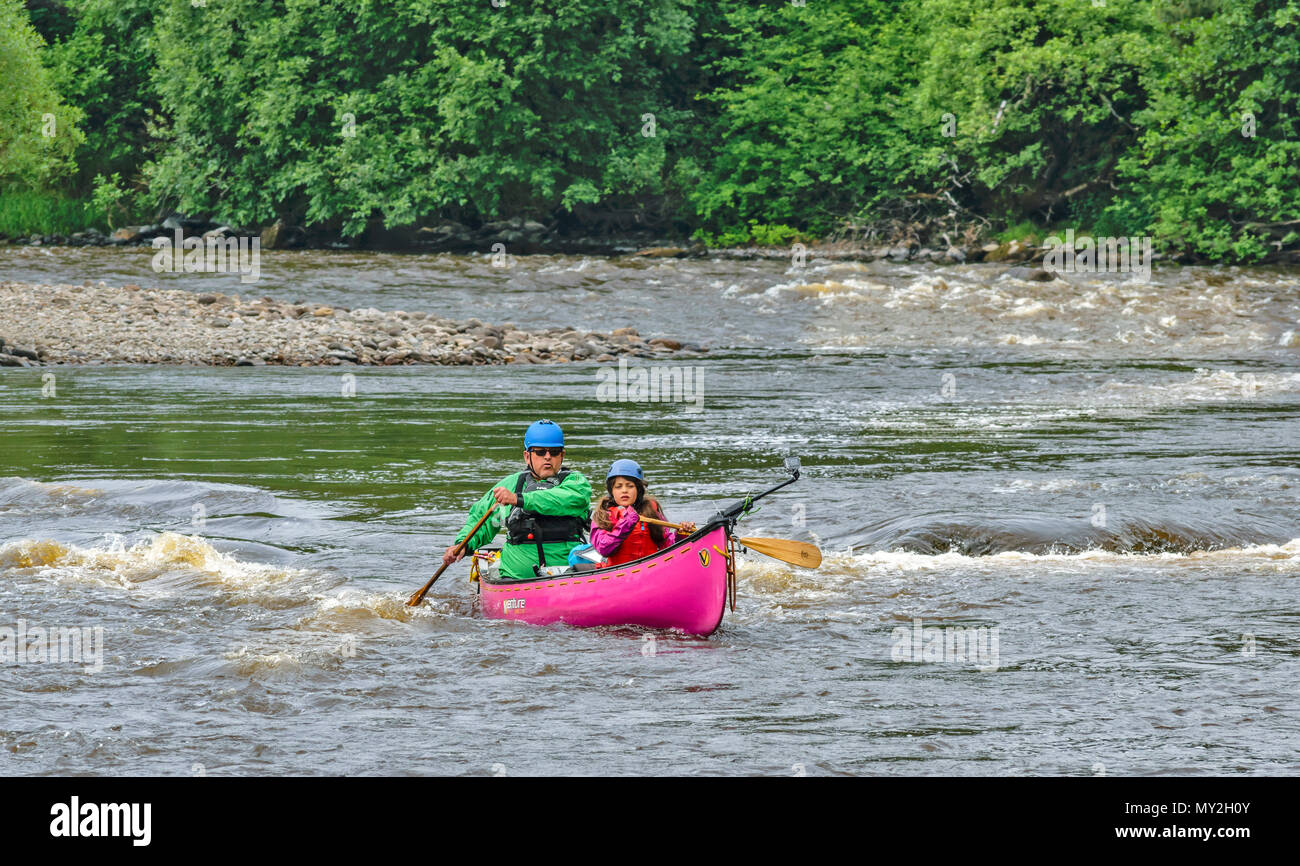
(958, 428)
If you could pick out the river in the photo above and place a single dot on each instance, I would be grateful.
(1097, 475)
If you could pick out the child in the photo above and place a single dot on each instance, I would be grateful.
(617, 531)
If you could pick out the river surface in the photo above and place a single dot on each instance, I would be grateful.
(1098, 477)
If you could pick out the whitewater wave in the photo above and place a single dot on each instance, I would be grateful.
(350, 609)
(980, 306)
(795, 587)
(1204, 385)
(16, 492)
(175, 561)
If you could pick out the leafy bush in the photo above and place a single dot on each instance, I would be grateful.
(108, 199)
(335, 111)
(1217, 165)
(742, 122)
(1025, 231)
(38, 131)
(1041, 92)
(754, 233)
(807, 99)
(103, 68)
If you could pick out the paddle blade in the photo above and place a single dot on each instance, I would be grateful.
(799, 553)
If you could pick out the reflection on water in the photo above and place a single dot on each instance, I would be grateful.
(1125, 512)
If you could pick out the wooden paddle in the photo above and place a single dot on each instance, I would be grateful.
(799, 553)
(418, 596)
(677, 526)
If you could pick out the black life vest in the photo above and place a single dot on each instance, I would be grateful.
(527, 527)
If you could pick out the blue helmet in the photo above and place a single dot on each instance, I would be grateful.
(626, 468)
(545, 433)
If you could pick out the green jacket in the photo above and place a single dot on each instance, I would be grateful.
(572, 498)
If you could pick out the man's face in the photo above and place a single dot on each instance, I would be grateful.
(544, 462)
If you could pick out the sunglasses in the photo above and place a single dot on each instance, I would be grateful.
(546, 452)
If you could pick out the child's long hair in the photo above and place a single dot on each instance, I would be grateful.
(644, 505)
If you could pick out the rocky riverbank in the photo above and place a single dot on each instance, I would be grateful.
(520, 237)
(992, 252)
(101, 324)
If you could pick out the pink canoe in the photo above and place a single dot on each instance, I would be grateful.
(682, 587)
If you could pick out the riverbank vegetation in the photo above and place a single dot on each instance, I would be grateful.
(735, 121)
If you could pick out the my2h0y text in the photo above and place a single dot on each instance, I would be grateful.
(1186, 808)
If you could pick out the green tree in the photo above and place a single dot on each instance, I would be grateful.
(103, 67)
(807, 102)
(38, 131)
(1042, 93)
(333, 111)
(1004, 109)
(1217, 167)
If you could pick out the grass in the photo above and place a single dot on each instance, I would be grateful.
(775, 235)
(1037, 235)
(1025, 231)
(25, 213)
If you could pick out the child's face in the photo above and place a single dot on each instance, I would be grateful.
(623, 491)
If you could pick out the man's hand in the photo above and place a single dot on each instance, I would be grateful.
(505, 497)
(455, 553)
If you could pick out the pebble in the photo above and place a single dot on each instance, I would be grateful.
(99, 324)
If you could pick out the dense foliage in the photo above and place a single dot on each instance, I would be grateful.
(38, 131)
(737, 119)
(328, 109)
(103, 66)
(1042, 92)
(1218, 158)
(807, 106)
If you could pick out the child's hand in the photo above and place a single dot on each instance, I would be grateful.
(687, 527)
(629, 519)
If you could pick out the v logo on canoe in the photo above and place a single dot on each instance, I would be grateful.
(704, 558)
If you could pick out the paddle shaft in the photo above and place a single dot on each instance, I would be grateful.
(418, 596)
(676, 526)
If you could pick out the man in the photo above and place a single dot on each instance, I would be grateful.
(545, 509)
